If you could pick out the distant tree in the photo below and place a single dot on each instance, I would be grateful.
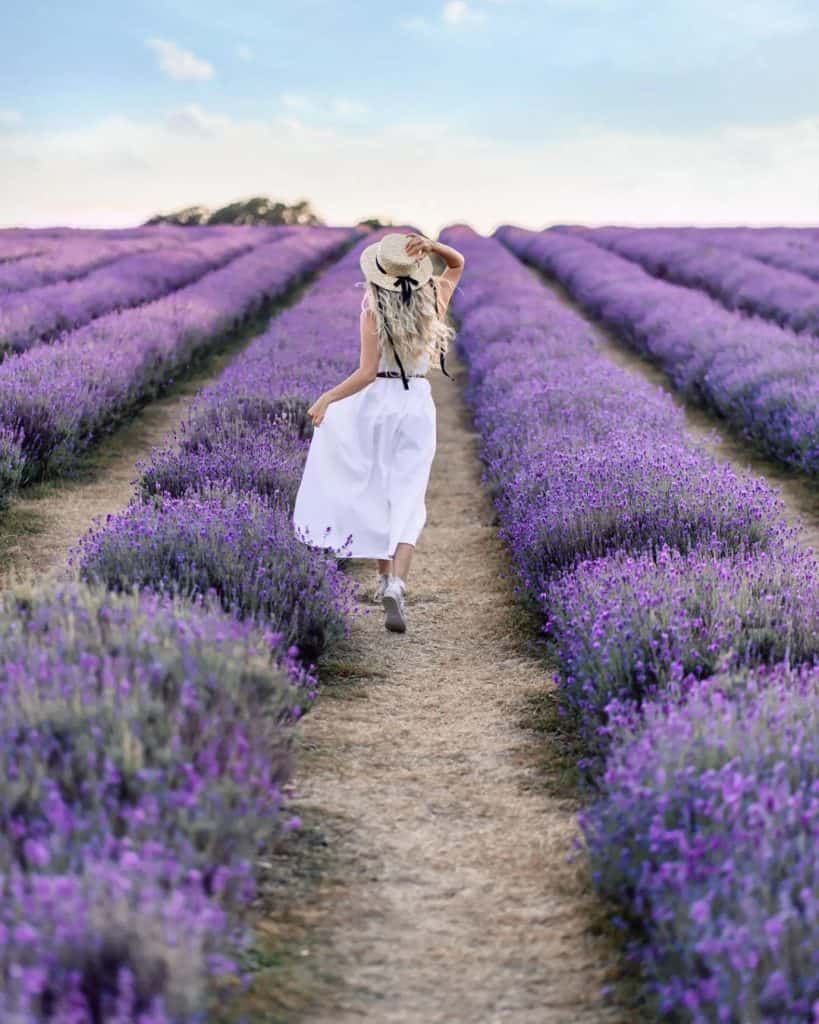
(258, 210)
(261, 210)
(374, 223)
(190, 215)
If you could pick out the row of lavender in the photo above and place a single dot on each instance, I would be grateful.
(57, 400)
(760, 378)
(676, 599)
(33, 316)
(218, 498)
(786, 248)
(162, 765)
(733, 277)
(32, 268)
(35, 264)
(32, 244)
(144, 756)
(794, 249)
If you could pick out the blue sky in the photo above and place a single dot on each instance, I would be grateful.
(531, 111)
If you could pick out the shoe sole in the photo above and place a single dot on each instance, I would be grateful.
(395, 620)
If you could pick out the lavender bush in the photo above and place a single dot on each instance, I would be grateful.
(118, 942)
(603, 461)
(707, 833)
(233, 543)
(738, 281)
(135, 718)
(31, 317)
(627, 626)
(11, 464)
(13, 249)
(760, 378)
(654, 566)
(144, 751)
(786, 248)
(63, 396)
(212, 517)
(264, 457)
(250, 428)
(72, 259)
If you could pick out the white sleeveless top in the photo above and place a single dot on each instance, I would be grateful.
(387, 362)
(387, 359)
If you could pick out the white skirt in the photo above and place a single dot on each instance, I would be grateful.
(364, 483)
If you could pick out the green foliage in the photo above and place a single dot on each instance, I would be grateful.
(258, 210)
(374, 223)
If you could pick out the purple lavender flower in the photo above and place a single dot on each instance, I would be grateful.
(740, 282)
(762, 379)
(706, 831)
(654, 568)
(234, 544)
(30, 317)
(62, 397)
(135, 718)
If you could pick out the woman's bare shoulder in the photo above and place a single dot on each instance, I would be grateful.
(446, 283)
(450, 277)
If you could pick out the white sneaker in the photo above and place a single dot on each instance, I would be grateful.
(383, 580)
(393, 604)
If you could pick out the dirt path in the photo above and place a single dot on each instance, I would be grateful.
(46, 520)
(458, 904)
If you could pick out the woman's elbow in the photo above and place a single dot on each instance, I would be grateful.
(369, 373)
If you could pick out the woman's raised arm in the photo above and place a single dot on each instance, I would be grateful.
(418, 246)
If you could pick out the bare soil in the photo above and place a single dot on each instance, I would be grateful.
(47, 519)
(457, 896)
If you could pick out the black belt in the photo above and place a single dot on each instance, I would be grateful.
(394, 373)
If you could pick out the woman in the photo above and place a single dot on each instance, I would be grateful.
(363, 489)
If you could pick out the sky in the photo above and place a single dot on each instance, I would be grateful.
(531, 112)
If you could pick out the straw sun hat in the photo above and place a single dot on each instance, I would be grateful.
(387, 264)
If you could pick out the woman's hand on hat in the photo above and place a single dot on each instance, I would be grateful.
(418, 246)
(318, 409)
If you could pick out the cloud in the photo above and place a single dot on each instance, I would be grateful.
(244, 52)
(348, 108)
(10, 118)
(460, 12)
(120, 171)
(178, 63)
(296, 101)
(193, 120)
(317, 107)
(453, 14)
(289, 123)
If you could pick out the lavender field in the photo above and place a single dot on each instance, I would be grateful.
(157, 684)
(681, 608)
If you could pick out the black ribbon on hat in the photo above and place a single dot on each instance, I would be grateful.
(404, 282)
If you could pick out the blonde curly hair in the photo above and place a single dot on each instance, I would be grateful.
(415, 328)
